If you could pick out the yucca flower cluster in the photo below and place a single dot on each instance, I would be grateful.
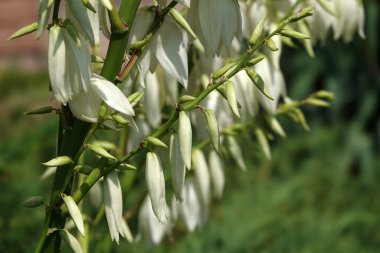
(181, 81)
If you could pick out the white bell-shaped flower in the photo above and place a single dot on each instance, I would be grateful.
(216, 22)
(217, 174)
(69, 64)
(152, 102)
(85, 106)
(190, 210)
(113, 202)
(149, 226)
(321, 21)
(167, 47)
(155, 181)
(350, 17)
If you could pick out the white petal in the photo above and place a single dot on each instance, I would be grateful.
(202, 176)
(211, 23)
(177, 167)
(85, 106)
(57, 65)
(190, 209)
(111, 95)
(217, 173)
(185, 137)
(77, 13)
(152, 100)
(113, 201)
(155, 181)
(171, 52)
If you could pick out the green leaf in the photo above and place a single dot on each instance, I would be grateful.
(100, 151)
(58, 161)
(24, 31)
(258, 82)
(70, 240)
(74, 211)
(34, 201)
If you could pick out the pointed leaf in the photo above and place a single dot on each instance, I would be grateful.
(231, 97)
(74, 211)
(70, 240)
(212, 128)
(34, 201)
(58, 161)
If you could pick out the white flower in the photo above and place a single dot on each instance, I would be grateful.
(190, 210)
(216, 22)
(85, 106)
(113, 202)
(154, 177)
(350, 15)
(69, 65)
(149, 226)
(270, 72)
(321, 21)
(167, 47)
(79, 15)
(152, 103)
(217, 173)
(177, 167)
(202, 176)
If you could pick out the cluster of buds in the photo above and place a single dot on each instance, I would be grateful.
(215, 64)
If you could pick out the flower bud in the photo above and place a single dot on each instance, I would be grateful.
(212, 128)
(231, 97)
(24, 31)
(58, 161)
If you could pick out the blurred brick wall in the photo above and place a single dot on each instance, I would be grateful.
(24, 52)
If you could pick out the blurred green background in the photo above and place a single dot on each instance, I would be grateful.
(321, 192)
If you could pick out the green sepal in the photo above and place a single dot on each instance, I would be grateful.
(24, 31)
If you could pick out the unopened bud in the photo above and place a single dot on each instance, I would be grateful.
(212, 128)
(257, 33)
(24, 31)
(271, 44)
(258, 82)
(100, 151)
(58, 161)
(156, 142)
(42, 110)
(223, 70)
(231, 97)
(34, 201)
(181, 21)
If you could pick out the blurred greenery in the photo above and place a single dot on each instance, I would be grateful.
(319, 194)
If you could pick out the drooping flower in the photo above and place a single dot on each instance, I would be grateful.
(113, 202)
(167, 47)
(155, 181)
(190, 210)
(85, 106)
(216, 22)
(177, 167)
(69, 64)
(149, 226)
(350, 17)
(217, 174)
